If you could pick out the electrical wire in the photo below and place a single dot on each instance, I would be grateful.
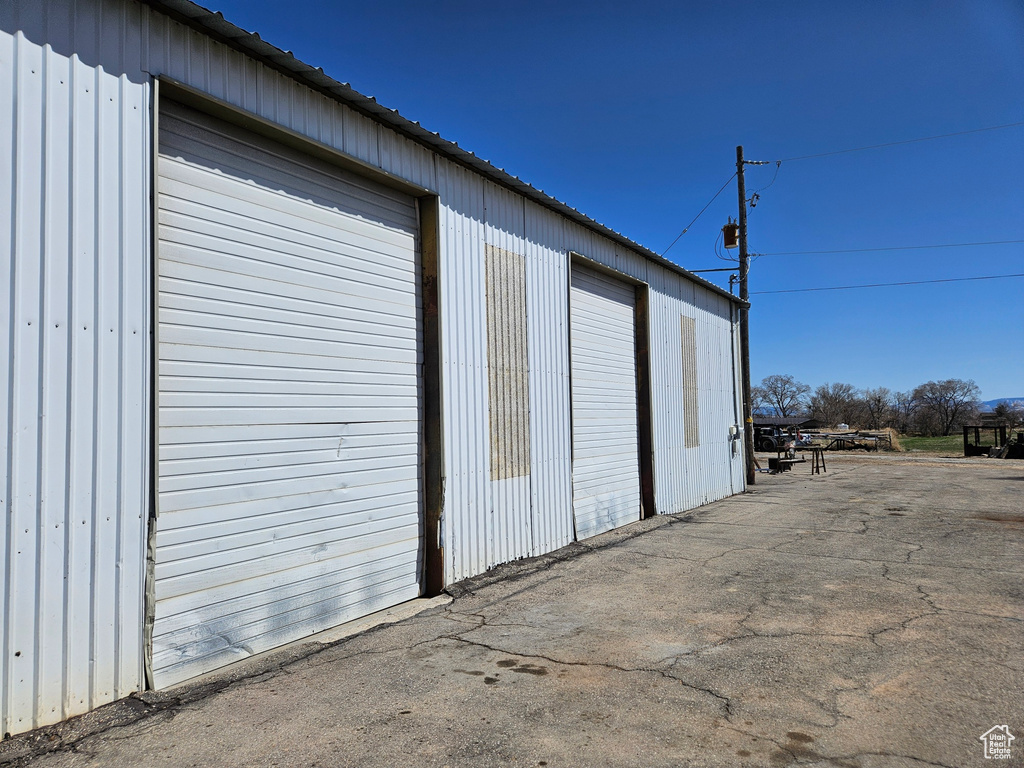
(905, 141)
(778, 164)
(687, 227)
(893, 248)
(720, 252)
(888, 285)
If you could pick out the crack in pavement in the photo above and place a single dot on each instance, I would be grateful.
(665, 557)
(982, 614)
(896, 562)
(913, 551)
(720, 555)
(724, 701)
(774, 527)
(920, 760)
(898, 627)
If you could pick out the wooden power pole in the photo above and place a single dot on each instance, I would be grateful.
(748, 419)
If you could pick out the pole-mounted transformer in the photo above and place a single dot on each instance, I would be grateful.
(731, 234)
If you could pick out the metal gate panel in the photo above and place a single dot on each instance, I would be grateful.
(605, 449)
(289, 396)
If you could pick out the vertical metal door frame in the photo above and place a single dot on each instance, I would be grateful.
(644, 398)
(149, 591)
(432, 574)
(569, 257)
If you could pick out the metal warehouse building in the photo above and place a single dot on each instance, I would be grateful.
(279, 358)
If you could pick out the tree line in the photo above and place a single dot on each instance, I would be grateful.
(932, 408)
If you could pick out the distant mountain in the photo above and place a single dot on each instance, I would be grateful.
(989, 405)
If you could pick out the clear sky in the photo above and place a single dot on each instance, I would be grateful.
(631, 112)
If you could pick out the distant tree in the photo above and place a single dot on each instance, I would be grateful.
(926, 421)
(834, 404)
(784, 394)
(1009, 414)
(945, 404)
(758, 400)
(878, 407)
(904, 406)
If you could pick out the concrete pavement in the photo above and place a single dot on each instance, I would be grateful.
(867, 618)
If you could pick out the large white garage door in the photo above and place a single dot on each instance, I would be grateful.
(289, 396)
(605, 441)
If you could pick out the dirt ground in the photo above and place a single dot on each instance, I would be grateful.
(870, 617)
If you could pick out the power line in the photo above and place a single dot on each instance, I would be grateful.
(905, 141)
(888, 285)
(687, 227)
(893, 248)
(720, 239)
(778, 164)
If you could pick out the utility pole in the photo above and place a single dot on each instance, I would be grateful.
(748, 419)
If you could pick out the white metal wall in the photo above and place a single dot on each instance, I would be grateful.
(478, 529)
(118, 46)
(73, 397)
(547, 280)
(510, 509)
(689, 477)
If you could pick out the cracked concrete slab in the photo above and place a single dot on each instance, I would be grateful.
(872, 617)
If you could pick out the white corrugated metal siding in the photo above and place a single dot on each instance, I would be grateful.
(95, 203)
(462, 288)
(689, 476)
(129, 38)
(510, 524)
(547, 306)
(289, 396)
(75, 261)
(605, 435)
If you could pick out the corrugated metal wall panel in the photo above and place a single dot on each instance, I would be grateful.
(683, 481)
(547, 274)
(687, 477)
(524, 515)
(76, 390)
(464, 368)
(130, 39)
(509, 525)
(508, 404)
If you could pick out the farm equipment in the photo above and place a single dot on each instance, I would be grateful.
(1001, 447)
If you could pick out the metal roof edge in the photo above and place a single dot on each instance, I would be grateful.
(215, 25)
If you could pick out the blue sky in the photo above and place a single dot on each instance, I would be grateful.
(631, 112)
